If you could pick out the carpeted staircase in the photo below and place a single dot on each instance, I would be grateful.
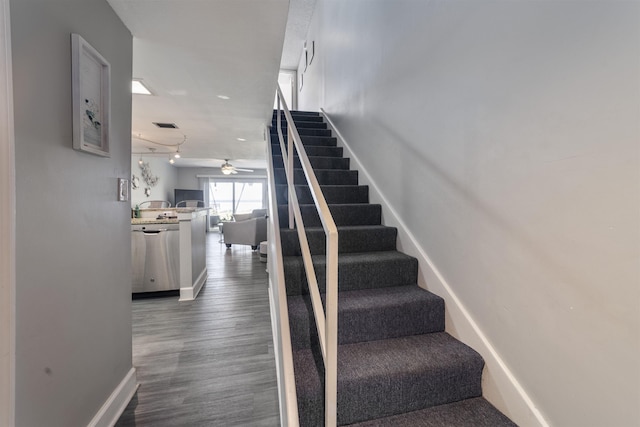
(396, 365)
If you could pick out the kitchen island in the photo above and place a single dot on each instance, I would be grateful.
(182, 246)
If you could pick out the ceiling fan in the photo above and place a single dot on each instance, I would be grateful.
(228, 169)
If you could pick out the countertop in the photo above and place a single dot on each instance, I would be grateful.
(150, 216)
(135, 221)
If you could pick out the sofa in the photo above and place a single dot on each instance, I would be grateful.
(246, 229)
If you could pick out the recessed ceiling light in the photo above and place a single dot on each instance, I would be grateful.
(223, 97)
(241, 139)
(138, 88)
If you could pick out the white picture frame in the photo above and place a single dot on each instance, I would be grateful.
(91, 89)
(306, 55)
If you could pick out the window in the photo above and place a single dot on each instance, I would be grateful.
(248, 196)
(230, 196)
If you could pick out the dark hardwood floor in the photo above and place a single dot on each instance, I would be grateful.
(207, 362)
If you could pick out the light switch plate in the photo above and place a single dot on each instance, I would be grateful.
(123, 190)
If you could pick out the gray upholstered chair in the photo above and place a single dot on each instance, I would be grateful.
(247, 229)
(190, 204)
(214, 220)
(154, 204)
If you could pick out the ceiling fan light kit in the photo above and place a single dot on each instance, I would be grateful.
(228, 169)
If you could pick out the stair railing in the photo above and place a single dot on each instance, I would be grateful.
(279, 311)
(326, 324)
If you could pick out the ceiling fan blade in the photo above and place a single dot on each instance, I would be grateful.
(244, 170)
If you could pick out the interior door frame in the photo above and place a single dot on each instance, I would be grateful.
(7, 225)
(293, 77)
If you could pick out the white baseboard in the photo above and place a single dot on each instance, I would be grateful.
(190, 293)
(116, 403)
(499, 385)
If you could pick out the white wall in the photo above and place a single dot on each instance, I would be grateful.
(167, 178)
(73, 259)
(7, 224)
(506, 136)
(188, 180)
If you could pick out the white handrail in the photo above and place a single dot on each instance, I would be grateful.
(326, 323)
(280, 319)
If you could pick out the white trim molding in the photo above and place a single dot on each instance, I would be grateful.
(499, 384)
(193, 253)
(116, 403)
(7, 225)
(190, 293)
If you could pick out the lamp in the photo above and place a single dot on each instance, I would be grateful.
(177, 155)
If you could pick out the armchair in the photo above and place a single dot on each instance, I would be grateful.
(154, 204)
(249, 229)
(190, 204)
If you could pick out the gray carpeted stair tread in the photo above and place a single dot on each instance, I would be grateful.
(300, 124)
(382, 378)
(314, 150)
(370, 315)
(329, 141)
(475, 412)
(333, 194)
(343, 214)
(304, 131)
(317, 162)
(353, 238)
(358, 270)
(297, 118)
(297, 112)
(323, 176)
(302, 121)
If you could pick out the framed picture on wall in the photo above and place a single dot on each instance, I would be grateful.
(306, 55)
(90, 87)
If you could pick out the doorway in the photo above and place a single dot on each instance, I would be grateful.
(287, 82)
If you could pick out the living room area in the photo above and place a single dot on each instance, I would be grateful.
(233, 198)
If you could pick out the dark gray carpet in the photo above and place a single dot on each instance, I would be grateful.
(343, 214)
(371, 314)
(475, 412)
(317, 151)
(396, 365)
(333, 194)
(359, 270)
(324, 176)
(380, 378)
(362, 238)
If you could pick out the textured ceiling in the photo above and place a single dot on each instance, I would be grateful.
(191, 51)
(300, 14)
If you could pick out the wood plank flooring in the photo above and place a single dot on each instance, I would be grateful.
(207, 362)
